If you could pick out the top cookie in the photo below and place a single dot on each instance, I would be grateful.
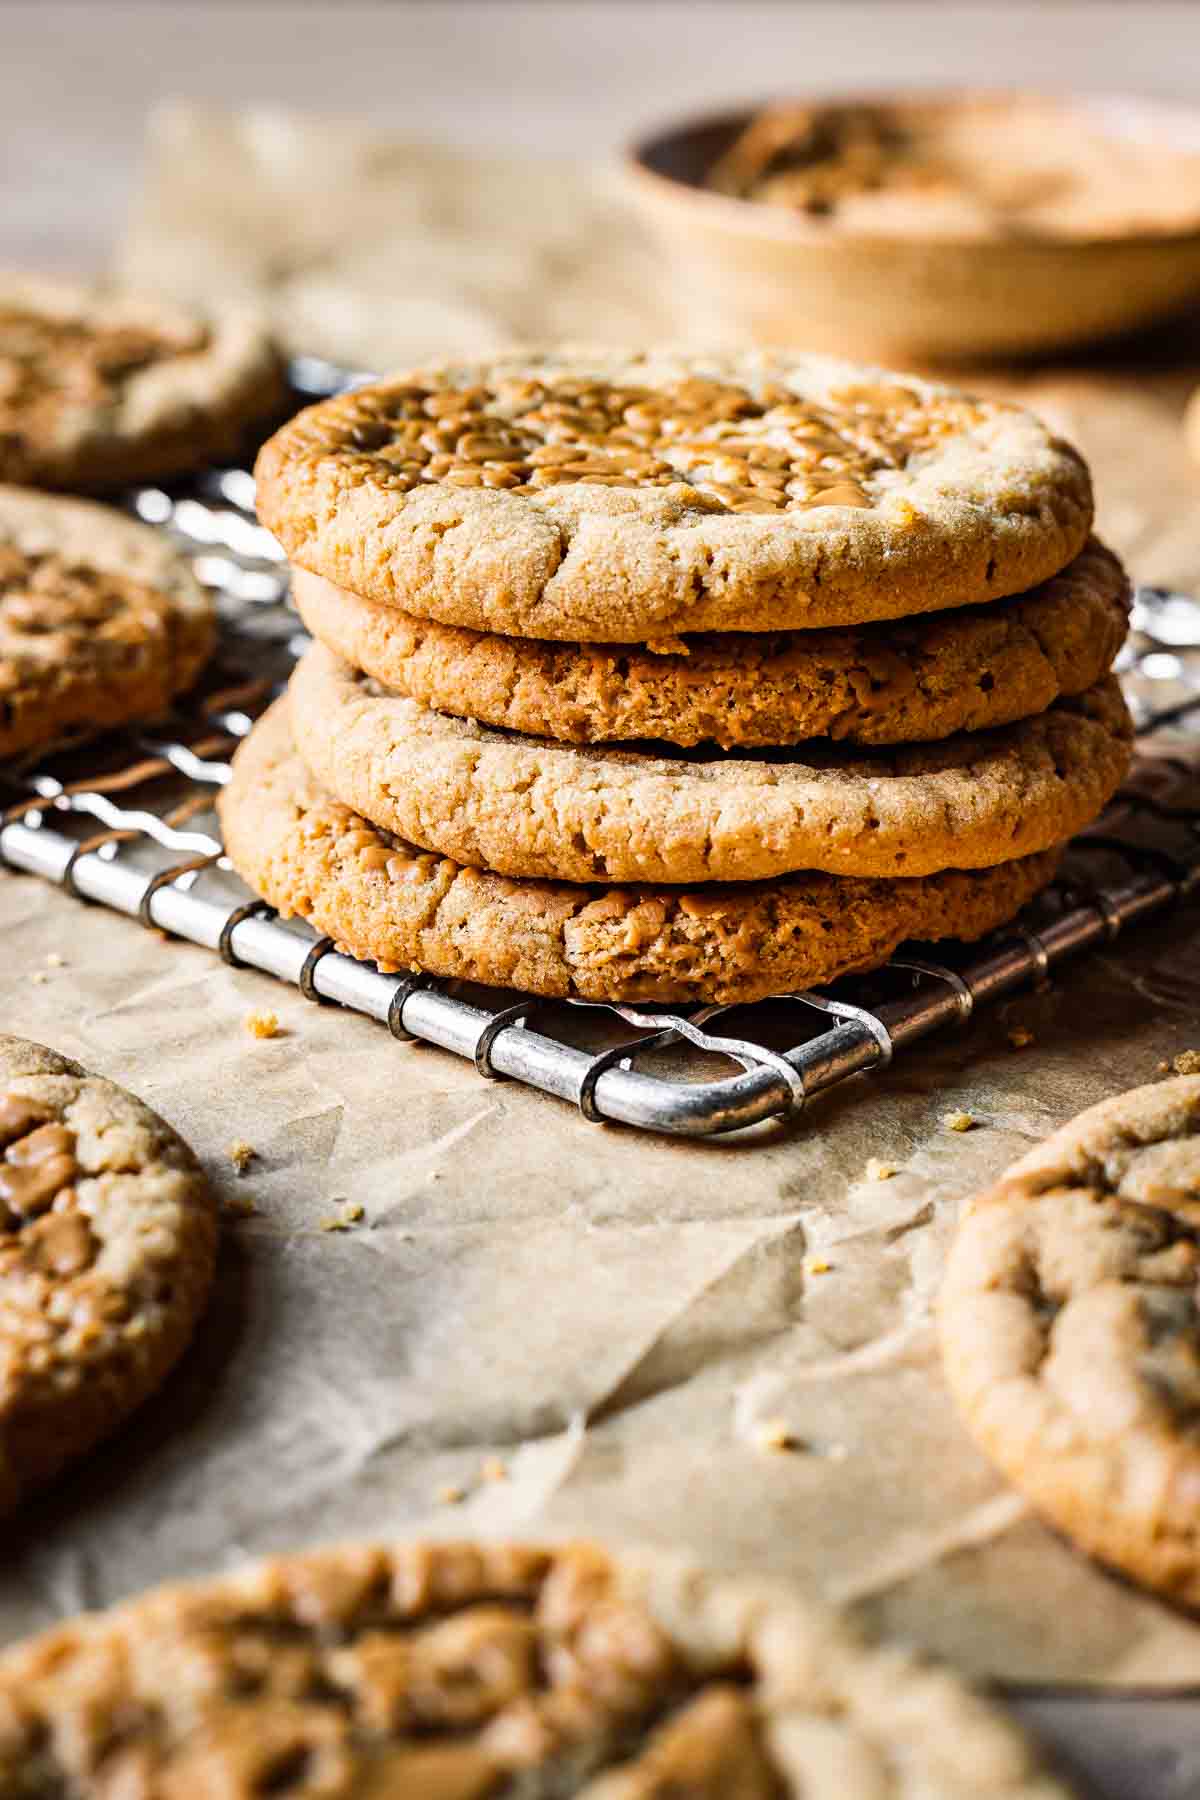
(1071, 1330)
(108, 1236)
(100, 389)
(624, 497)
(462, 1671)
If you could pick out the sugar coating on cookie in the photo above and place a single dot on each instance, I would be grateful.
(1071, 1332)
(462, 1671)
(385, 901)
(529, 807)
(895, 682)
(107, 1246)
(101, 619)
(99, 388)
(617, 497)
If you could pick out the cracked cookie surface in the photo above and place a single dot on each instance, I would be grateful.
(107, 1244)
(528, 807)
(461, 1671)
(98, 389)
(383, 900)
(622, 497)
(891, 683)
(101, 619)
(1071, 1331)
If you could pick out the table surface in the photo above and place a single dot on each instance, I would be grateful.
(76, 79)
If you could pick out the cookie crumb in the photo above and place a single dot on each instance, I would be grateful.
(55, 961)
(1020, 1037)
(959, 1121)
(349, 1216)
(881, 1171)
(239, 1206)
(817, 1265)
(262, 1024)
(775, 1436)
(450, 1494)
(1187, 1062)
(493, 1468)
(39, 977)
(241, 1154)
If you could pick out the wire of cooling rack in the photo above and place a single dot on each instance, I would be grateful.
(127, 821)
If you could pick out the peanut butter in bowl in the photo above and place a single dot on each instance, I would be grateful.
(932, 225)
(985, 167)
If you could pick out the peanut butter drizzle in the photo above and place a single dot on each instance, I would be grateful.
(743, 452)
(19, 1116)
(39, 1160)
(53, 610)
(49, 368)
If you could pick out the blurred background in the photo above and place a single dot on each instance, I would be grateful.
(393, 182)
(78, 77)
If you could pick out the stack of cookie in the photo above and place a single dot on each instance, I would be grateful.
(676, 677)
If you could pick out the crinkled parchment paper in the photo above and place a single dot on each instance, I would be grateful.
(606, 1319)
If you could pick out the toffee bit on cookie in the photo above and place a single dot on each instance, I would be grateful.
(241, 1154)
(1187, 1062)
(959, 1121)
(262, 1024)
(775, 1436)
(881, 1171)
(817, 1265)
(1020, 1037)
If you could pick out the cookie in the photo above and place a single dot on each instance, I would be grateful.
(1191, 425)
(1071, 1331)
(614, 497)
(889, 683)
(107, 1244)
(463, 1671)
(384, 901)
(525, 806)
(101, 619)
(98, 389)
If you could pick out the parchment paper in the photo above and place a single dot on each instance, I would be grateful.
(610, 1315)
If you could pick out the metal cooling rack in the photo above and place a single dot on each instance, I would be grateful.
(127, 820)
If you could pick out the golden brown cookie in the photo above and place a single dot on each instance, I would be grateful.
(526, 806)
(461, 1671)
(602, 496)
(384, 901)
(98, 389)
(101, 619)
(107, 1242)
(1191, 425)
(1071, 1332)
(892, 683)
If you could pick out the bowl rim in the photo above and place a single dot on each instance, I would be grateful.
(757, 219)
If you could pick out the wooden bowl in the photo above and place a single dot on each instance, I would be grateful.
(746, 269)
